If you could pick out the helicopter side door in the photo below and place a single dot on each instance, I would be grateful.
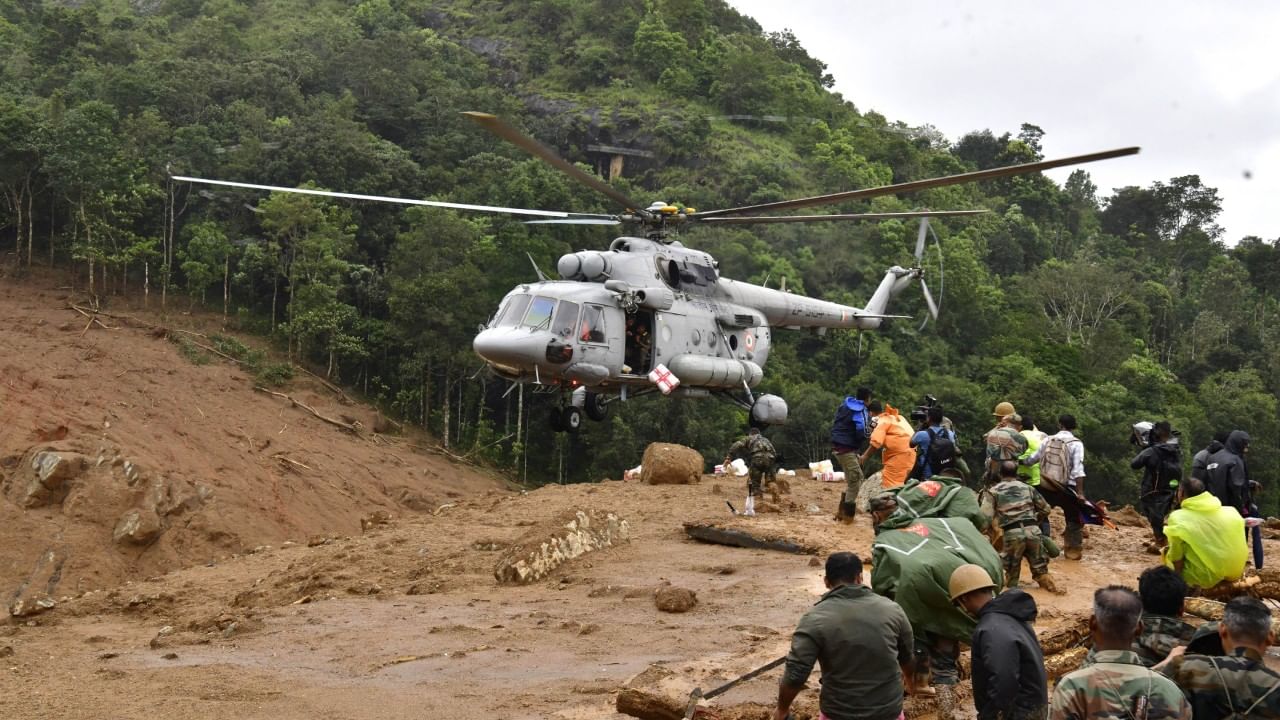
(600, 331)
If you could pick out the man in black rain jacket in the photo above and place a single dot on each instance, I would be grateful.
(1009, 679)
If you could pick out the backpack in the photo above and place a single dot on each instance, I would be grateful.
(761, 444)
(1055, 461)
(861, 418)
(1168, 468)
(942, 451)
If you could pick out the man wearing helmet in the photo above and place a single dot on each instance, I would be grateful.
(1009, 679)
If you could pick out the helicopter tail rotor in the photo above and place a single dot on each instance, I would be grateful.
(921, 239)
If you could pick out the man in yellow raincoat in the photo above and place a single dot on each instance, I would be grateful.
(1206, 539)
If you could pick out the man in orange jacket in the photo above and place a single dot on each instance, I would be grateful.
(892, 435)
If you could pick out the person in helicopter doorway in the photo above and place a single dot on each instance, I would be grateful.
(760, 455)
(639, 343)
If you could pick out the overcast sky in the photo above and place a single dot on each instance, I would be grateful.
(1197, 85)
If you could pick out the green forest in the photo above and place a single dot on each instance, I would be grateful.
(1117, 306)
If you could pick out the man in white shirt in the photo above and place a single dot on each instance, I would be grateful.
(1061, 459)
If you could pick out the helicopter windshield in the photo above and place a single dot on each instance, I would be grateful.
(539, 315)
(509, 315)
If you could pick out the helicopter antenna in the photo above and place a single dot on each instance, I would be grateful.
(541, 275)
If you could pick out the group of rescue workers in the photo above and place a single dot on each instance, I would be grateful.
(936, 581)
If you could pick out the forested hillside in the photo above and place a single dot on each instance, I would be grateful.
(1116, 306)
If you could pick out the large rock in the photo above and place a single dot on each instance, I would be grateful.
(51, 473)
(675, 599)
(668, 464)
(549, 545)
(138, 526)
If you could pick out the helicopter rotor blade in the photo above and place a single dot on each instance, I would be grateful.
(765, 220)
(575, 221)
(942, 273)
(502, 129)
(378, 198)
(916, 185)
(928, 299)
(924, 231)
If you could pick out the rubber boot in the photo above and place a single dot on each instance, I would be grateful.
(946, 702)
(846, 511)
(1073, 553)
(1046, 581)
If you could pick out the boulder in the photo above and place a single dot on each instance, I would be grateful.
(31, 605)
(669, 464)
(51, 472)
(549, 545)
(675, 599)
(138, 526)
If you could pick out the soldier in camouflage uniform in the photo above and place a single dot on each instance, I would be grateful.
(1017, 509)
(1117, 686)
(1004, 442)
(760, 456)
(1163, 593)
(1238, 684)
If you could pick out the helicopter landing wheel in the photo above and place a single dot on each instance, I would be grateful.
(596, 407)
(571, 419)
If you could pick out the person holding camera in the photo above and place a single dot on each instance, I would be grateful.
(1161, 464)
(932, 427)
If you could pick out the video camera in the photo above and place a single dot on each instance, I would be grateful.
(1141, 435)
(921, 412)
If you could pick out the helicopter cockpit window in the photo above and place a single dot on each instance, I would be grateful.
(539, 315)
(566, 318)
(592, 330)
(510, 314)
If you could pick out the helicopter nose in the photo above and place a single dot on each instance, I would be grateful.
(515, 348)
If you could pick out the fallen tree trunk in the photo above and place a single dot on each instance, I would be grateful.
(1213, 610)
(1065, 662)
(1074, 633)
(743, 539)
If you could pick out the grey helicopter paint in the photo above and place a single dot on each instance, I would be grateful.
(595, 334)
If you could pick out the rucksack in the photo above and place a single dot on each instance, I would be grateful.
(1055, 461)
(861, 419)
(1168, 468)
(942, 451)
(760, 444)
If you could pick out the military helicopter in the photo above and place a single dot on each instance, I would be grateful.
(650, 314)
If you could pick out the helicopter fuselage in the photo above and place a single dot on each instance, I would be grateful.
(616, 315)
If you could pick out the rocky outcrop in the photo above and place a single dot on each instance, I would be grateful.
(548, 546)
(51, 473)
(668, 464)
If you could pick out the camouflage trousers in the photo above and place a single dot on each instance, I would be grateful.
(759, 473)
(1020, 542)
(852, 474)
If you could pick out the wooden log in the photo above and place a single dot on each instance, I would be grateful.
(1074, 633)
(740, 538)
(1065, 662)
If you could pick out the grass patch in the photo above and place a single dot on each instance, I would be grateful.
(195, 355)
(274, 374)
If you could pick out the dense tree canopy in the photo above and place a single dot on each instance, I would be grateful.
(1117, 307)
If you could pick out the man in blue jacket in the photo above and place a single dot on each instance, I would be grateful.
(849, 435)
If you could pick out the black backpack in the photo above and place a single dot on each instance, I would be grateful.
(1168, 468)
(942, 451)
